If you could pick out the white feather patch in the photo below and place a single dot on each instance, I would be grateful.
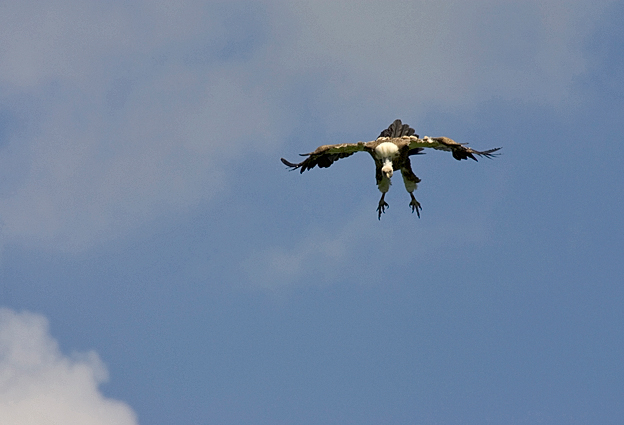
(387, 150)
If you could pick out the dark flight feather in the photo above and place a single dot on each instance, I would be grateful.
(460, 154)
(322, 159)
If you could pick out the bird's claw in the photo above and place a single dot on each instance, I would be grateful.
(415, 206)
(381, 208)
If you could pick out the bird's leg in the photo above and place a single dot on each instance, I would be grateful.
(381, 208)
(411, 183)
(415, 205)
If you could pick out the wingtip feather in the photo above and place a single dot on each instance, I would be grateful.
(491, 153)
(290, 164)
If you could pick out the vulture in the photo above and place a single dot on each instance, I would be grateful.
(391, 152)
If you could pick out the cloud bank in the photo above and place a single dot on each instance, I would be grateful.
(116, 115)
(113, 115)
(40, 386)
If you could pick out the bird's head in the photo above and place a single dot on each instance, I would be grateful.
(387, 170)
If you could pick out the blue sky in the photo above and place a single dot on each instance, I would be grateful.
(159, 265)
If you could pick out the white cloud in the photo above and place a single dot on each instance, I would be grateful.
(41, 386)
(129, 111)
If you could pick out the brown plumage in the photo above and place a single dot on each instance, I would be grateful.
(391, 152)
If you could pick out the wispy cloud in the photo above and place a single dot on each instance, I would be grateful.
(318, 256)
(326, 253)
(39, 385)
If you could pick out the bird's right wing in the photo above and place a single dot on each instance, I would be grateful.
(326, 155)
(459, 150)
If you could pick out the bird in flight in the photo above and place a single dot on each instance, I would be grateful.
(391, 152)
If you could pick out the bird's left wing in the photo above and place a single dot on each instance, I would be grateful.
(326, 155)
(445, 144)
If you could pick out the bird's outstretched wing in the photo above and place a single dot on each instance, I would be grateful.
(325, 155)
(459, 150)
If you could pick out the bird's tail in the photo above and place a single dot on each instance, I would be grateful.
(398, 129)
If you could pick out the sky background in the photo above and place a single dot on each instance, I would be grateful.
(159, 265)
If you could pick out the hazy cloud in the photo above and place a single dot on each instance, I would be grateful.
(116, 113)
(124, 113)
(450, 52)
(319, 255)
(39, 385)
(324, 254)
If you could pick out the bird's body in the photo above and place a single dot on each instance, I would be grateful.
(391, 152)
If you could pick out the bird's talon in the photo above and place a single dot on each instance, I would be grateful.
(382, 209)
(415, 207)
